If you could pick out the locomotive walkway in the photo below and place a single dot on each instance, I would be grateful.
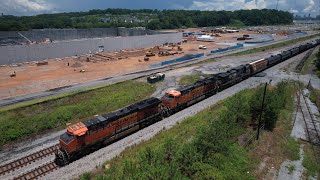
(116, 79)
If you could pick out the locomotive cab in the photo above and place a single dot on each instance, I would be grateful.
(169, 99)
(70, 142)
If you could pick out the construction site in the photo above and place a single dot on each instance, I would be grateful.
(32, 64)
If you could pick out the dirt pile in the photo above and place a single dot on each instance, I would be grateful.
(76, 65)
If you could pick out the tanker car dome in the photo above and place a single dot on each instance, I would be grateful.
(174, 93)
(78, 129)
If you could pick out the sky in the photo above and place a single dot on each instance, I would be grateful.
(32, 7)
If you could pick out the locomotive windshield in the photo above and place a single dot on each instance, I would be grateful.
(168, 97)
(67, 137)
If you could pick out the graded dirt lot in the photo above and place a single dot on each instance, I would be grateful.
(31, 78)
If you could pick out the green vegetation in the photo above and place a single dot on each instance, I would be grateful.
(273, 46)
(236, 23)
(311, 160)
(85, 176)
(308, 64)
(315, 97)
(25, 121)
(152, 19)
(201, 147)
(189, 79)
(292, 149)
(291, 168)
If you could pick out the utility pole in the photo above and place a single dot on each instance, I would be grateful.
(277, 4)
(262, 105)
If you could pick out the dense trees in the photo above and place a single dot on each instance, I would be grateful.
(152, 19)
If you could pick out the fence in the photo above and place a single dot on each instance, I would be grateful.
(69, 34)
(226, 49)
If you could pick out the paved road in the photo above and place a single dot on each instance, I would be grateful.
(110, 80)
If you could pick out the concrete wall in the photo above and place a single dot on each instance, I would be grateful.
(25, 53)
(68, 34)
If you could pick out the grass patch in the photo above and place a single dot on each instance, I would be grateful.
(315, 97)
(276, 146)
(311, 160)
(292, 148)
(308, 63)
(54, 114)
(273, 46)
(85, 176)
(189, 79)
(291, 168)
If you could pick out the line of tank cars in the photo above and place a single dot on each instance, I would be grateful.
(84, 137)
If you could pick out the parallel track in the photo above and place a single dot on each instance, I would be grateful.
(312, 129)
(38, 172)
(14, 165)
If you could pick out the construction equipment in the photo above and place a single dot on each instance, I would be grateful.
(164, 53)
(146, 58)
(13, 74)
(202, 47)
(149, 54)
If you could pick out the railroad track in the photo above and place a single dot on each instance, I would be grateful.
(24, 161)
(38, 172)
(312, 128)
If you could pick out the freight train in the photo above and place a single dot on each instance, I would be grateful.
(85, 137)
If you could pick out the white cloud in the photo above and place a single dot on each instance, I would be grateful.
(293, 6)
(309, 7)
(228, 4)
(22, 7)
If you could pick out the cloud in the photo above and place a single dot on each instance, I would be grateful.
(293, 6)
(22, 7)
(228, 5)
(310, 6)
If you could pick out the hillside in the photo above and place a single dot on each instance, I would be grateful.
(152, 19)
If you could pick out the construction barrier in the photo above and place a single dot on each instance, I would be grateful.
(226, 49)
(184, 58)
(258, 42)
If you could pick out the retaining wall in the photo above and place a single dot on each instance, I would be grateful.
(226, 49)
(24, 53)
(69, 34)
(184, 58)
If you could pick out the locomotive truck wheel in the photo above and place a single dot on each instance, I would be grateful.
(164, 111)
(62, 158)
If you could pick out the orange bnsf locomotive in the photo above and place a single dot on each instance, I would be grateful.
(85, 137)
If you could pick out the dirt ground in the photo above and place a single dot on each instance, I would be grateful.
(31, 78)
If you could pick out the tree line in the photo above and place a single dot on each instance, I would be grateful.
(156, 19)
